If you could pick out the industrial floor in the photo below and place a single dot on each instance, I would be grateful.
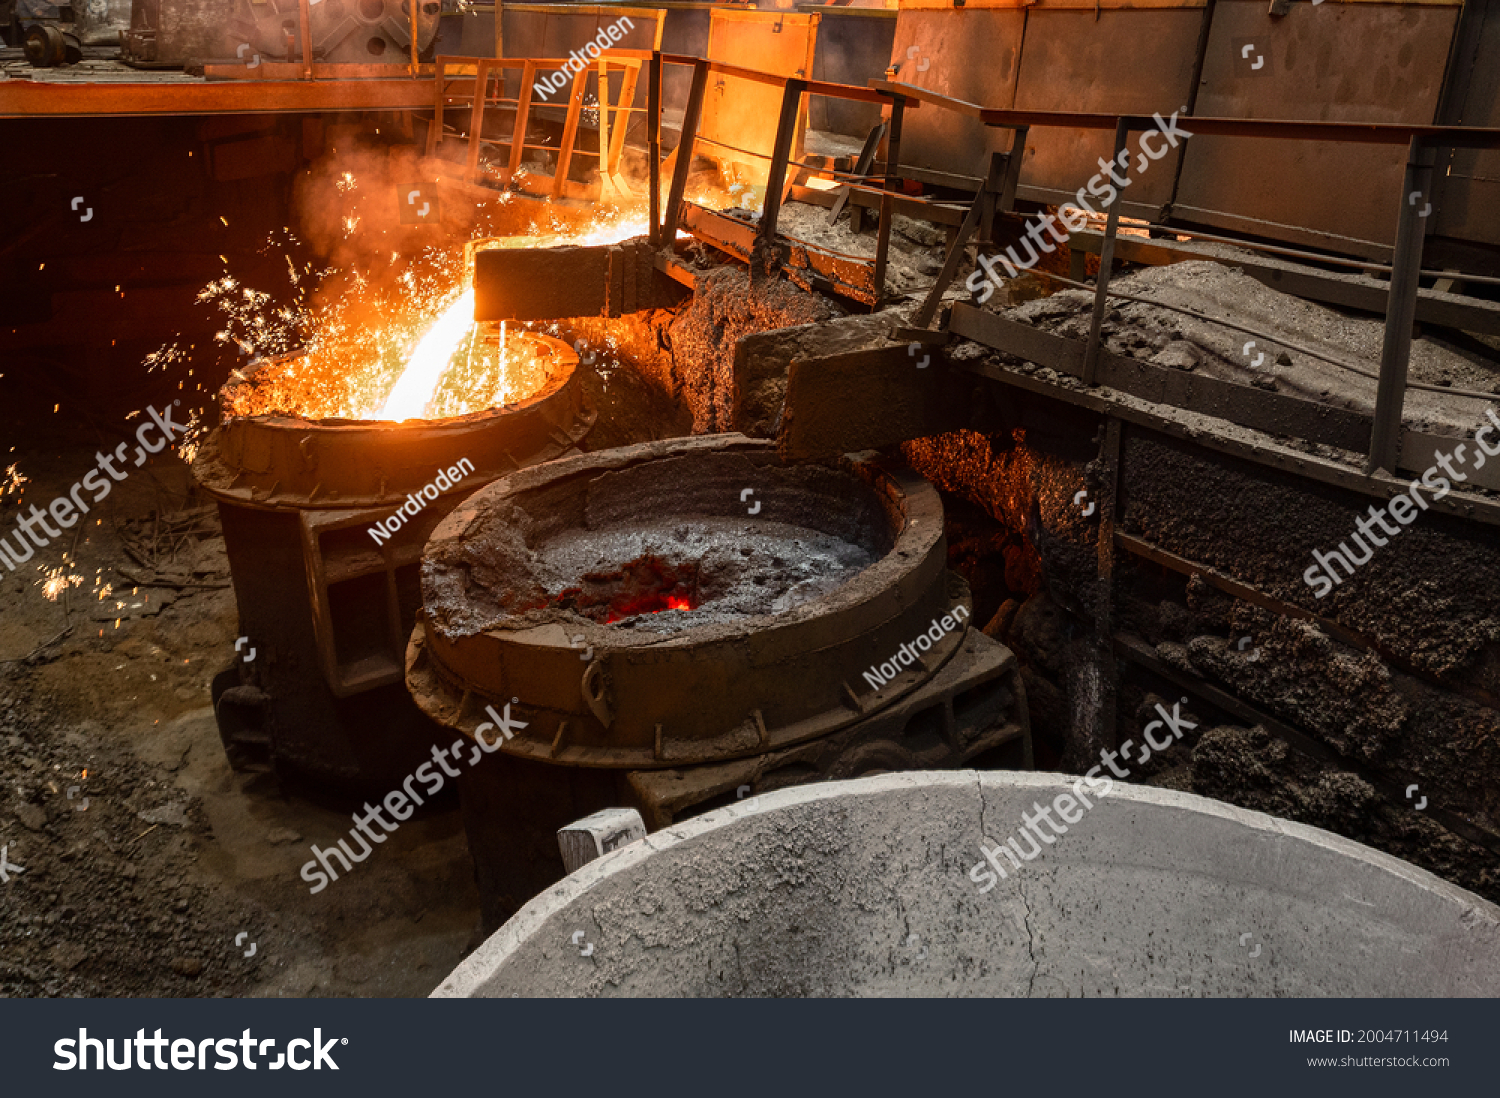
(142, 880)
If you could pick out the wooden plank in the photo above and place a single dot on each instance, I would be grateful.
(860, 400)
(684, 150)
(523, 117)
(1449, 310)
(1276, 413)
(1257, 449)
(570, 130)
(617, 134)
(476, 119)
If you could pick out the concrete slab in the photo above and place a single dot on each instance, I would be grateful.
(864, 888)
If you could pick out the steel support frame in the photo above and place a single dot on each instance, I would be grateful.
(1401, 306)
(1106, 261)
(781, 151)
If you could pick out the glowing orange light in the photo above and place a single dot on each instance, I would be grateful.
(428, 363)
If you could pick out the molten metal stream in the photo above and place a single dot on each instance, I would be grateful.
(429, 361)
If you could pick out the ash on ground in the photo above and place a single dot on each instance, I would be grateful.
(742, 568)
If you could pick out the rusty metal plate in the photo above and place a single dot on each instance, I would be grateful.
(853, 45)
(1075, 62)
(1274, 413)
(807, 267)
(552, 30)
(1468, 202)
(739, 115)
(1340, 62)
(970, 55)
(862, 400)
(541, 283)
(568, 281)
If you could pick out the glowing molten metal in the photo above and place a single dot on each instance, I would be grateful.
(429, 361)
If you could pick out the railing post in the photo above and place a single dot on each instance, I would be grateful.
(304, 15)
(523, 116)
(476, 116)
(413, 5)
(1106, 261)
(685, 149)
(887, 200)
(1401, 308)
(786, 131)
(653, 143)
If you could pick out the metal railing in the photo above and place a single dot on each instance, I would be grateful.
(1406, 264)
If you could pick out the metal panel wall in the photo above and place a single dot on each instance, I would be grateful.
(740, 114)
(853, 45)
(1334, 62)
(968, 53)
(551, 30)
(1339, 60)
(1469, 188)
(1130, 60)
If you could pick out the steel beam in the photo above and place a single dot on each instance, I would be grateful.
(684, 151)
(1106, 263)
(781, 151)
(35, 99)
(653, 145)
(1359, 133)
(1401, 310)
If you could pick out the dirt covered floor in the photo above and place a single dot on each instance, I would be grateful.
(146, 866)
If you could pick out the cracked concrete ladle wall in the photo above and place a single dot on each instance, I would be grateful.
(863, 888)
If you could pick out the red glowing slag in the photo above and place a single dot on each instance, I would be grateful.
(646, 585)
